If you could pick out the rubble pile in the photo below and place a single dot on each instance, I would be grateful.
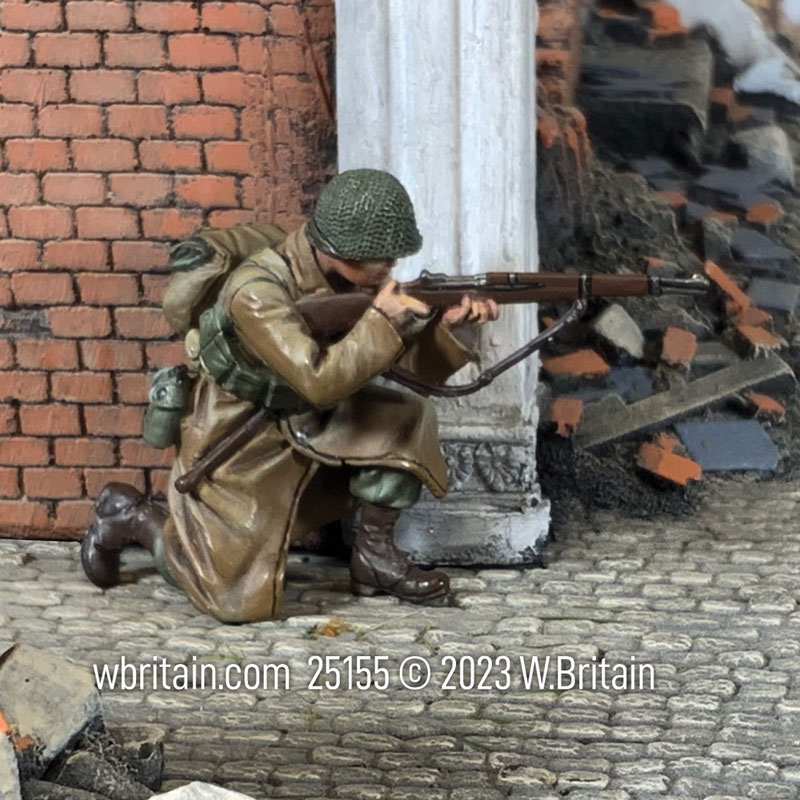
(53, 743)
(690, 177)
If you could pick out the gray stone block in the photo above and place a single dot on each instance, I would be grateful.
(729, 445)
(774, 295)
(616, 327)
(87, 771)
(45, 790)
(9, 771)
(47, 697)
(767, 151)
(142, 748)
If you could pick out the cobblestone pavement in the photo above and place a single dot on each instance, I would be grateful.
(709, 600)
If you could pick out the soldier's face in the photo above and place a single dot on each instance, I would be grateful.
(369, 274)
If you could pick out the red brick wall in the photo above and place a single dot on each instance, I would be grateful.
(123, 127)
(558, 41)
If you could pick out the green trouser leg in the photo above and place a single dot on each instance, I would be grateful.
(389, 488)
(161, 561)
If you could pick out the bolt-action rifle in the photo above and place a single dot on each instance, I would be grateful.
(331, 315)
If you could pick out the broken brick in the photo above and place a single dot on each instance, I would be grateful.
(666, 441)
(5, 727)
(566, 412)
(651, 262)
(582, 363)
(673, 198)
(548, 131)
(753, 316)
(678, 347)
(668, 465)
(726, 283)
(740, 113)
(665, 19)
(764, 214)
(723, 96)
(759, 337)
(765, 406)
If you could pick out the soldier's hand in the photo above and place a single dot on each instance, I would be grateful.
(408, 315)
(470, 310)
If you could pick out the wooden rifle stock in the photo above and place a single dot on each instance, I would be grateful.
(331, 315)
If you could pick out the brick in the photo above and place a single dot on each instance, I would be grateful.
(207, 191)
(36, 86)
(253, 56)
(664, 18)
(673, 198)
(139, 189)
(170, 156)
(288, 57)
(132, 387)
(286, 20)
(40, 288)
(204, 122)
(724, 282)
(170, 223)
(107, 223)
(583, 363)
(24, 515)
(73, 515)
(752, 316)
(67, 49)
(21, 189)
(140, 256)
(14, 49)
(167, 16)
(9, 482)
(30, 16)
(81, 387)
(249, 197)
(142, 50)
(96, 479)
(76, 255)
(232, 17)
(723, 96)
(763, 405)
(23, 451)
(229, 157)
(29, 387)
(764, 215)
(104, 155)
(164, 354)
(670, 466)
(40, 222)
(566, 413)
(74, 188)
(141, 323)
(102, 86)
(112, 355)
(137, 122)
(79, 323)
(6, 297)
(136, 453)
(113, 421)
(8, 420)
(15, 120)
(159, 482)
(201, 51)
(48, 354)
(51, 482)
(678, 347)
(108, 290)
(36, 155)
(154, 287)
(225, 88)
(18, 254)
(757, 337)
(98, 15)
(169, 88)
(70, 121)
(53, 419)
(6, 357)
(225, 219)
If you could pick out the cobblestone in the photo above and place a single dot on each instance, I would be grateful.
(709, 601)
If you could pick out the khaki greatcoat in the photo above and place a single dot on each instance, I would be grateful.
(226, 543)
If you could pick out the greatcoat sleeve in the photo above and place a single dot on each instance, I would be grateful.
(268, 326)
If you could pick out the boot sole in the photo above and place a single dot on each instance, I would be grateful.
(364, 590)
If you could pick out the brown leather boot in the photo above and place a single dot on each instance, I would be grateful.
(377, 565)
(123, 517)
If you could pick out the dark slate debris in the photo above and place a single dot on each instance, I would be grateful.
(729, 445)
(774, 295)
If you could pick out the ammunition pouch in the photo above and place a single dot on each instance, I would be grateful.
(168, 396)
(221, 356)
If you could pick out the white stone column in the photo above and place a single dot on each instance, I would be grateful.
(442, 94)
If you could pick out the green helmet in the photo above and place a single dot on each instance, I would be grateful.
(364, 214)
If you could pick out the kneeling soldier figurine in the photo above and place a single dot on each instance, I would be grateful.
(333, 442)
